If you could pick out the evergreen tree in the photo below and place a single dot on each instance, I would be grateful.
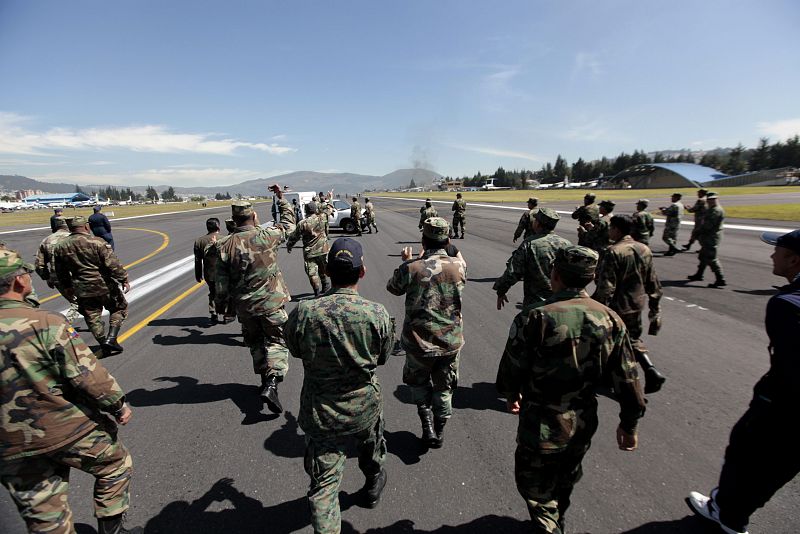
(760, 158)
(735, 163)
(151, 193)
(412, 184)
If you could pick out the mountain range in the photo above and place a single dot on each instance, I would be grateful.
(299, 181)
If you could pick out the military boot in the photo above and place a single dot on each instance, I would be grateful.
(438, 427)
(696, 277)
(426, 418)
(113, 525)
(110, 346)
(269, 393)
(373, 487)
(653, 378)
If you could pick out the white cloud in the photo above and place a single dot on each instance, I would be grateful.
(498, 152)
(590, 131)
(587, 62)
(16, 138)
(782, 129)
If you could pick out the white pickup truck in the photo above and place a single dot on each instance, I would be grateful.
(341, 215)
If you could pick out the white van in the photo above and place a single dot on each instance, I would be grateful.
(302, 198)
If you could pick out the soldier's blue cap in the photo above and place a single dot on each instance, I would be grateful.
(345, 253)
(778, 239)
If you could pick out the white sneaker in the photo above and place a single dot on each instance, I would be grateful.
(705, 507)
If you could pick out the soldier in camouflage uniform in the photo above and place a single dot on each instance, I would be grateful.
(315, 247)
(341, 399)
(557, 354)
(673, 213)
(45, 263)
(426, 212)
(589, 212)
(525, 225)
(369, 213)
(55, 402)
(709, 234)
(627, 282)
(532, 261)
(459, 210)
(597, 231)
(88, 269)
(205, 260)
(248, 272)
(699, 209)
(643, 225)
(433, 328)
(355, 214)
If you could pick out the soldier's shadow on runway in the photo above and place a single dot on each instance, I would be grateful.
(198, 337)
(478, 396)
(489, 523)
(182, 321)
(288, 440)
(491, 279)
(188, 390)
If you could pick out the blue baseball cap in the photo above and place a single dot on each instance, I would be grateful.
(345, 253)
(778, 239)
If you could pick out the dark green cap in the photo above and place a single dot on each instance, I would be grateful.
(436, 228)
(577, 260)
(241, 208)
(547, 217)
(712, 194)
(608, 204)
(11, 262)
(76, 222)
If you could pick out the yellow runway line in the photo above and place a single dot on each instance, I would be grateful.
(156, 314)
(164, 244)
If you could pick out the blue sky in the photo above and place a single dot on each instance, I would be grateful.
(212, 93)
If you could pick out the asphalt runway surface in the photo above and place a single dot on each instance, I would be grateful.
(208, 458)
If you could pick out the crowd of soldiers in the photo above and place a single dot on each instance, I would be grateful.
(562, 347)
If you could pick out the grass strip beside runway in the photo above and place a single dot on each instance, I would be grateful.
(771, 212)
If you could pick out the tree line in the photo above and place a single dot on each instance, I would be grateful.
(734, 161)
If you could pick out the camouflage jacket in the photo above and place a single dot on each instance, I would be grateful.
(369, 209)
(87, 264)
(557, 353)
(709, 233)
(205, 257)
(52, 388)
(531, 263)
(433, 286)
(525, 225)
(341, 338)
(459, 206)
(355, 211)
(643, 226)
(626, 278)
(247, 269)
(699, 209)
(597, 237)
(584, 214)
(312, 231)
(674, 213)
(45, 257)
(426, 213)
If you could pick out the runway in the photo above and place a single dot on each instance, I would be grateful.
(206, 459)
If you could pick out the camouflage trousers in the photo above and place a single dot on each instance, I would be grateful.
(263, 335)
(708, 258)
(39, 484)
(324, 463)
(459, 220)
(633, 322)
(92, 310)
(546, 481)
(432, 380)
(212, 294)
(315, 269)
(670, 236)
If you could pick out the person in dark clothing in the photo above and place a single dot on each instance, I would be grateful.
(57, 212)
(761, 456)
(101, 227)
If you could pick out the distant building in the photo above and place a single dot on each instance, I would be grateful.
(57, 198)
(782, 176)
(22, 194)
(661, 175)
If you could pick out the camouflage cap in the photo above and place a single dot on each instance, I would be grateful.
(229, 225)
(712, 194)
(60, 222)
(58, 210)
(589, 195)
(436, 228)
(11, 262)
(533, 200)
(76, 222)
(643, 201)
(577, 260)
(702, 191)
(241, 208)
(547, 216)
(345, 253)
(311, 207)
(607, 204)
